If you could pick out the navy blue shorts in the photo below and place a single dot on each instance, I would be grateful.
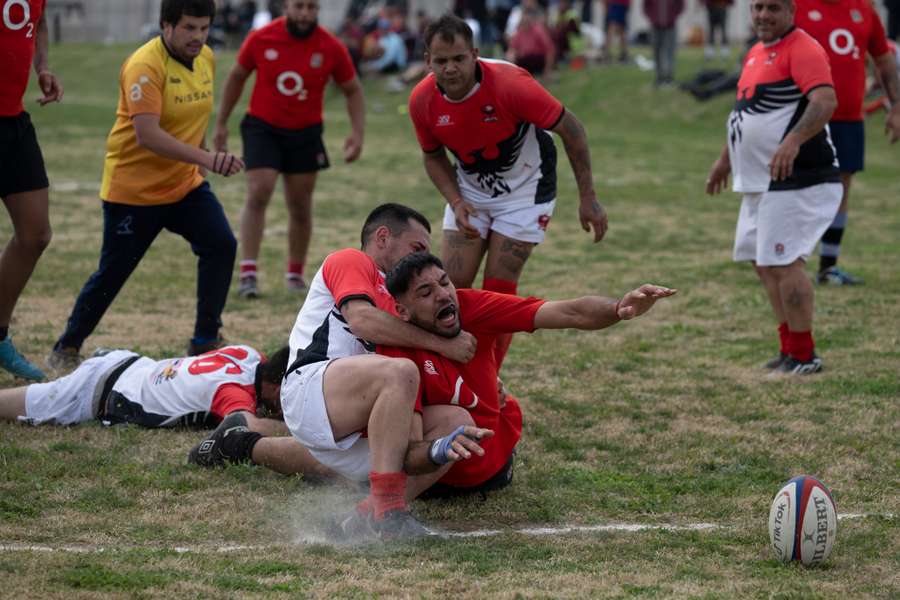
(285, 150)
(849, 139)
(21, 162)
(617, 13)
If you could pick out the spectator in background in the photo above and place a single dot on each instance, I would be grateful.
(717, 13)
(498, 12)
(531, 47)
(616, 26)
(567, 24)
(515, 16)
(663, 14)
(352, 36)
(893, 18)
(384, 51)
(246, 11)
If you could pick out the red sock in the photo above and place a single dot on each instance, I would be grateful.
(248, 267)
(295, 268)
(801, 345)
(503, 286)
(783, 333)
(387, 492)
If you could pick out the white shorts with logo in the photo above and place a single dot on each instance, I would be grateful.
(776, 228)
(525, 224)
(70, 399)
(305, 414)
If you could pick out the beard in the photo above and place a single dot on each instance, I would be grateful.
(300, 32)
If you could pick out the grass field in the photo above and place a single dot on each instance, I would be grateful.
(665, 420)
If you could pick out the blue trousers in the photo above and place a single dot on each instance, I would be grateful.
(128, 232)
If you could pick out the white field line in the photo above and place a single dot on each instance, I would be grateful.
(535, 531)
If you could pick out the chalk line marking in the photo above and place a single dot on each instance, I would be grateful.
(479, 533)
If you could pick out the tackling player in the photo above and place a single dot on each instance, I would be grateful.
(122, 387)
(426, 297)
(153, 177)
(494, 117)
(294, 58)
(849, 30)
(23, 178)
(784, 165)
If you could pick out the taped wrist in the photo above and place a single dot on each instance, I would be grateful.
(439, 447)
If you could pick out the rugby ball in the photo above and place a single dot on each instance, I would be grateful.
(802, 521)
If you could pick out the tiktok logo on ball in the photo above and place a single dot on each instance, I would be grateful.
(290, 83)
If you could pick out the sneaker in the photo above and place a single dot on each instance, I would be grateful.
(13, 361)
(836, 276)
(295, 283)
(776, 362)
(211, 451)
(352, 527)
(792, 366)
(195, 349)
(400, 525)
(247, 287)
(64, 360)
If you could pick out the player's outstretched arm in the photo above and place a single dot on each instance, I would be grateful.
(373, 324)
(886, 68)
(597, 312)
(717, 180)
(356, 110)
(234, 87)
(151, 136)
(50, 85)
(590, 212)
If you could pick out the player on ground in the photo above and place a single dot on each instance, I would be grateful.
(335, 389)
(849, 30)
(23, 178)
(294, 58)
(153, 177)
(427, 298)
(784, 165)
(124, 387)
(493, 117)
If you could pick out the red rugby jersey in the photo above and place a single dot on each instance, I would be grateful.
(847, 29)
(496, 133)
(18, 27)
(771, 98)
(473, 385)
(291, 73)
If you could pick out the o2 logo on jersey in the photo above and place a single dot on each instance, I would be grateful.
(290, 83)
(15, 22)
(843, 43)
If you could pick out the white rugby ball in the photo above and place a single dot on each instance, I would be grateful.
(803, 521)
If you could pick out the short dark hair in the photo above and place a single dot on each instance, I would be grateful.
(395, 217)
(448, 27)
(398, 280)
(272, 370)
(171, 11)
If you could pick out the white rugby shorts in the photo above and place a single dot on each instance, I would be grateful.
(524, 224)
(70, 399)
(774, 229)
(305, 414)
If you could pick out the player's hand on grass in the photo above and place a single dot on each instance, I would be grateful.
(460, 348)
(637, 302)
(717, 181)
(462, 210)
(461, 444)
(592, 214)
(352, 148)
(782, 165)
(224, 163)
(220, 138)
(51, 87)
(892, 124)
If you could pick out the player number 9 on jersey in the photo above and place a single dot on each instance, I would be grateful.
(290, 83)
(20, 21)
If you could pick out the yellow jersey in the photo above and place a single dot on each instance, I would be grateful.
(152, 81)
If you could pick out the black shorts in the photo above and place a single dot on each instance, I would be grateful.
(849, 138)
(21, 162)
(285, 150)
(500, 480)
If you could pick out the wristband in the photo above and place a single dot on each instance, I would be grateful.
(439, 447)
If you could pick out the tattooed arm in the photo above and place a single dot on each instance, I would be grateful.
(574, 138)
(822, 102)
(886, 68)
